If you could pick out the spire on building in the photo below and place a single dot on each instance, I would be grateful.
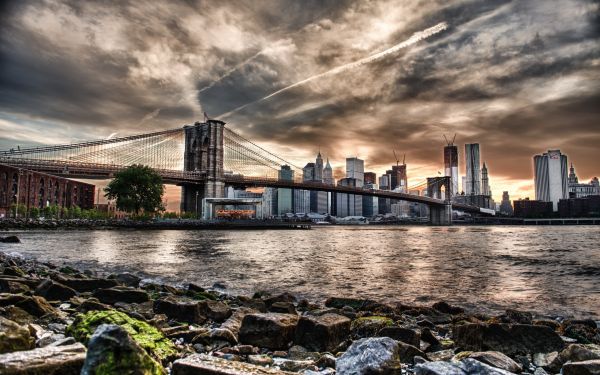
(572, 176)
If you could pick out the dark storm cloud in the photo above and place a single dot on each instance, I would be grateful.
(519, 77)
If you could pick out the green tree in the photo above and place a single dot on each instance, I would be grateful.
(34, 212)
(137, 188)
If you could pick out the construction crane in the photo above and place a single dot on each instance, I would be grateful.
(450, 143)
(398, 160)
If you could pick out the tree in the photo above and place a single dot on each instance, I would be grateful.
(137, 188)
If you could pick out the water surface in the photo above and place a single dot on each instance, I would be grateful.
(550, 270)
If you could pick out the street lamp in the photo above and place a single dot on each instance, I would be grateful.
(197, 193)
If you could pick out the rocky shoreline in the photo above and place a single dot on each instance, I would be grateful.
(60, 320)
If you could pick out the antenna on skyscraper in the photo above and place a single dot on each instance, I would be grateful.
(450, 143)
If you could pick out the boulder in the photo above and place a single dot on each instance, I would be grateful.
(54, 291)
(574, 353)
(148, 337)
(584, 331)
(408, 352)
(36, 305)
(591, 367)
(284, 297)
(121, 294)
(373, 355)
(234, 322)
(446, 308)
(215, 310)
(10, 239)
(516, 317)
(13, 287)
(498, 360)
(112, 351)
(196, 364)
(14, 337)
(468, 366)
(180, 310)
(406, 335)
(322, 333)
(50, 360)
(283, 307)
(268, 330)
(340, 302)
(85, 285)
(126, 279)
(369, 326)
(510, 339)
(17, 315)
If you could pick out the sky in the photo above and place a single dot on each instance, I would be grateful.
(517, 77)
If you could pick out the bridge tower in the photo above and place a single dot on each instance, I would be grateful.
(440, 215)
(204, 154)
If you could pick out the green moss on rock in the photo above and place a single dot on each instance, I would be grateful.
(147, 336)
(201, 296)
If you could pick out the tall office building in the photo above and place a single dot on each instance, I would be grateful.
(318, 168)
(473, 182)
(550, 176)
(355, 168)
(301, 201)
(269, 202)
(485, 183)
(285, 197)
(370, 178)
(451, 166)
(328, 174)
(385, 181)
(398, 178)
(506, 207)
(308, 172)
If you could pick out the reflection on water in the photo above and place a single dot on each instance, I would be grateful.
(545, 269)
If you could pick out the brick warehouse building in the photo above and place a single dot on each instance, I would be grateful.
(35, 189)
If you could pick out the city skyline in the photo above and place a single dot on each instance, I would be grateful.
(517, 78)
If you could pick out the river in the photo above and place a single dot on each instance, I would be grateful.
(548, 270)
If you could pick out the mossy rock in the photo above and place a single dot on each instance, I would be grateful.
(68, 270)
(461, 355)
(369, 326)
(201, 296)
(147, 336)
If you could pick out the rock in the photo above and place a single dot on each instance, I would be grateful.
(326, 360)
(14, 337)
(270, 330)
(234, 322)
(584, 331)
(148, 337)
(215, 310)
(93, 304)
(54, 291)
(180, 310)
(322, 333)
(260, 359)
(516, 317)
(446, 308)
(369, 326)
(17, 315)
(112, 351)
(544, 359)
(126, 279)
(373, 355)
(574, 353)
(294, 365)
(121, 294)
(441, 355)
(86, 285)
(591, 367)
(223, 334)
(282, 307)
(466, 367)
(13, 271)
(10, 239)
(540, 371)
(340, 302)
(50, 360)
(408, 352)
(428, 337)
(197, 364)
(405, 335)
(36, 305)
(507, 338)
(284, 297)
(498, 360)
(13, 287)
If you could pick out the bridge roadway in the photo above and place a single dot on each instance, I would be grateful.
(107, 171)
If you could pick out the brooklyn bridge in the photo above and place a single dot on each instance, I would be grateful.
(203, 159)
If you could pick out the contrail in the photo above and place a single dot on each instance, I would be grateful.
(416, 37)
(231, 71)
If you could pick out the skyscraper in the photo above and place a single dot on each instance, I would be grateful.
(473, 182)
(370, 178)
(328, 174)
(355, 168)
(485, 184)
(506, 207)
(550, 176)
(451, 166)
(318, 175)
(308, 172)
(398, 178)
(285, 203)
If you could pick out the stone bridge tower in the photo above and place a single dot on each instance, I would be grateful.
(440, 215)
(204, 154)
